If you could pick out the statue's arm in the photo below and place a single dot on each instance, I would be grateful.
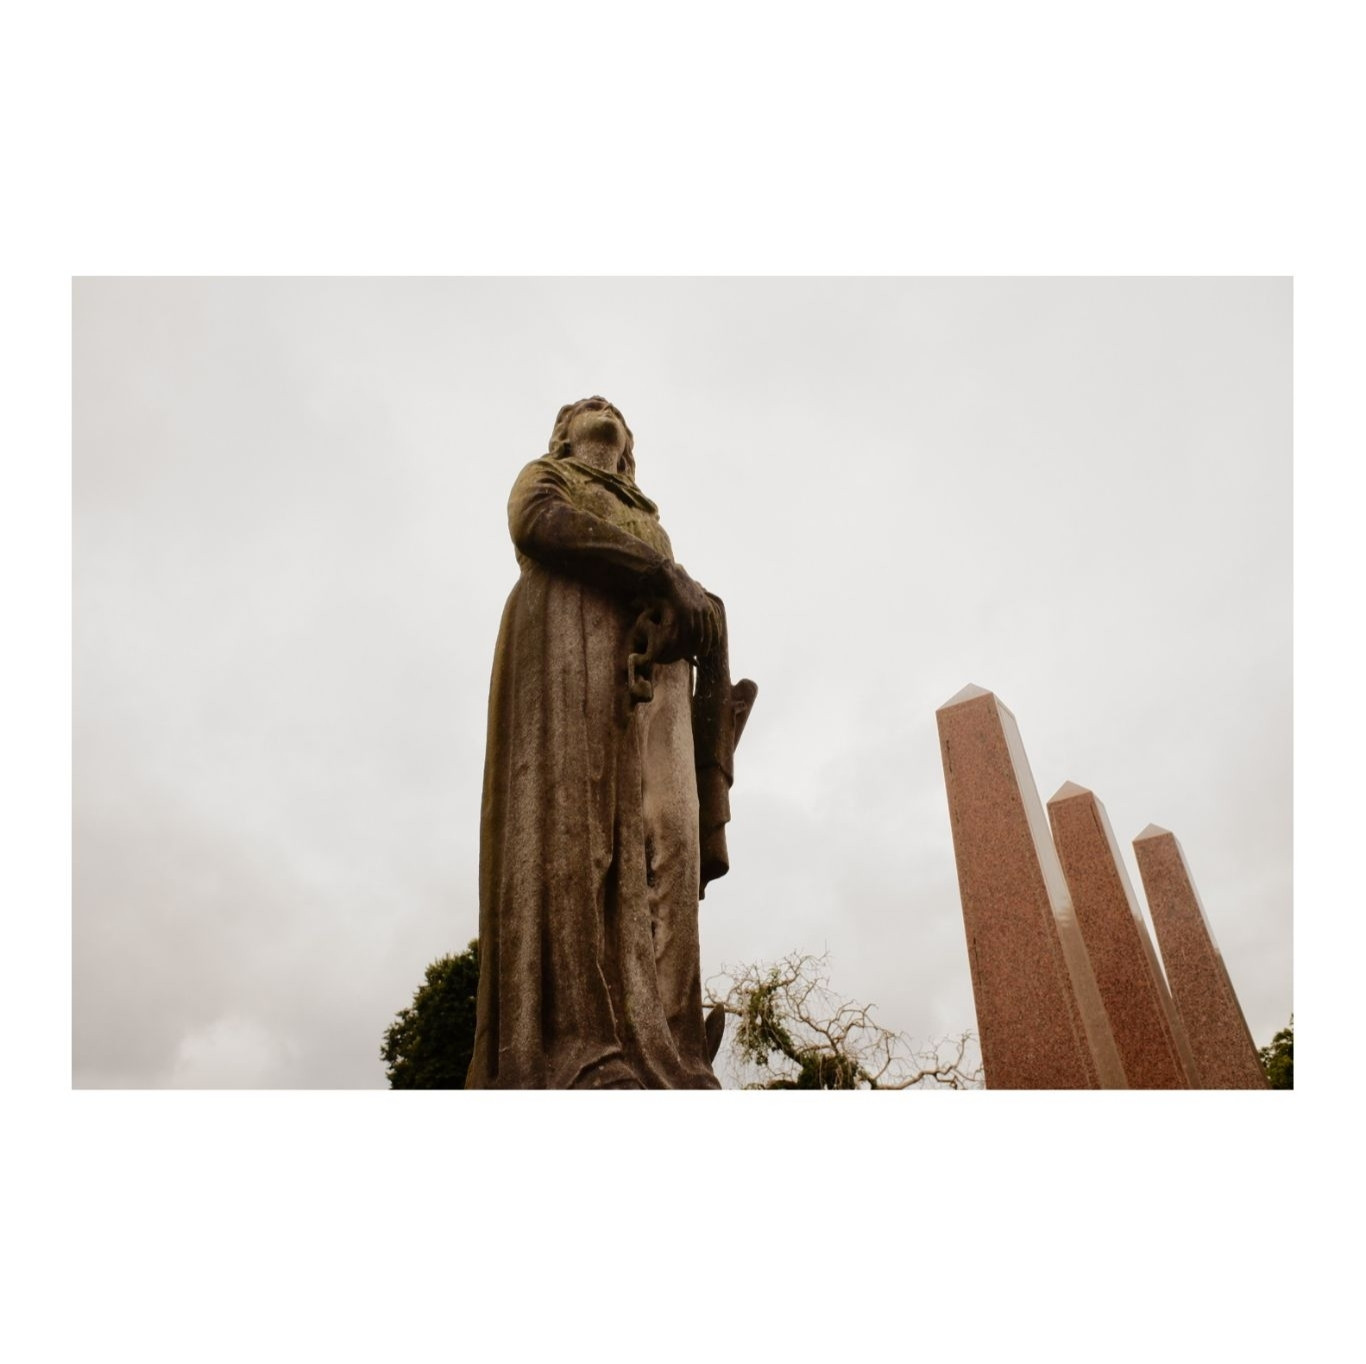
(547, 527)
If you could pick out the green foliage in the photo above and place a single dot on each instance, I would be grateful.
(430, 1043)
(763, 1037)
(821, 1071)
(1278, 1059)
(818, 1070)
(761, 1030)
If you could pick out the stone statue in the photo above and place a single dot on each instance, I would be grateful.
(606, 784)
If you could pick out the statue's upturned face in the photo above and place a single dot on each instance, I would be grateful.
(598, 436)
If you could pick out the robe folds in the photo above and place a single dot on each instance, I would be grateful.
(589, 843)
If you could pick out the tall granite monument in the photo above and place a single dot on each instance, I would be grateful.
(1201, 988)
(611, 735)
(1040, 1016)
(1147, 1030)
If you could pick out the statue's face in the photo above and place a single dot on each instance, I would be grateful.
(598, 436)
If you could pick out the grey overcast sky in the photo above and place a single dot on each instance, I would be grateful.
(291, 553)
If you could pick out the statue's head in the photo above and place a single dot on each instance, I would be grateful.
(594, 422)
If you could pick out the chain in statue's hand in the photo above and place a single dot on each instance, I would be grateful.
(680, 622)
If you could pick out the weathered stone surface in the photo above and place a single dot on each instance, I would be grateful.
(1039, 1014)
(606, 783)
(1201, 989)
(1151, 1041)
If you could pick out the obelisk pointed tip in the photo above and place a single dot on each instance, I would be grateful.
(1067, 790)
(1153, 831)
(969, 693)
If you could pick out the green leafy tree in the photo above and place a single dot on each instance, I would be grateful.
(791, 1031)
(430, 1043)
(1278, 1059)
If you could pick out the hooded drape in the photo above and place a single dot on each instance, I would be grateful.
(589, 845)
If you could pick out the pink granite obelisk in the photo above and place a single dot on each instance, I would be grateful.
(1039, 1014)
(1201, 988)
(1152, 1043)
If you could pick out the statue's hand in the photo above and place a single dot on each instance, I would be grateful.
(691, 626)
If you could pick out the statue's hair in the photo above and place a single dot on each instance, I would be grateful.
(560, 446)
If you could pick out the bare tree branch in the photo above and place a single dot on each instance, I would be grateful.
(793, 1032)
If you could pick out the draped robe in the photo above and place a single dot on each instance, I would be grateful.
(589, 842)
